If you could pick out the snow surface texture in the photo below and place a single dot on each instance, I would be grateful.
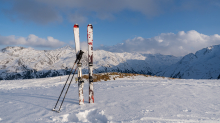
(27, 63)
(204, 64)
(139, 100)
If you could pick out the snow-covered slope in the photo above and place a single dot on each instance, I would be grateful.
(204, 64)
(132, 62)
(137, 99)
(23, 63)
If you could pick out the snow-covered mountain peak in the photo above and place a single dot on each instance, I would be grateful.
(68, 47)
(209, 51)
(12, 49)
(204, 64)
(210, 47)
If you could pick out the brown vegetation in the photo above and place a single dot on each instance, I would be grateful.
(114, 76)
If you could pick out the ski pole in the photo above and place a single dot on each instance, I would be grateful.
(77, 60)
(67, 91)
(64, 87)
(79, 56)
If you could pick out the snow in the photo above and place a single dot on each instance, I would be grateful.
(137, 99)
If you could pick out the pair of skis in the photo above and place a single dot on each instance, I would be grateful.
(79, 66)
(90, 63)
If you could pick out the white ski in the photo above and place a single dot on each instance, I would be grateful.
(90, 60)
(79, 64)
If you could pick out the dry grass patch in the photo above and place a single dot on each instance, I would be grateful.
(115, 75)
(97, 77)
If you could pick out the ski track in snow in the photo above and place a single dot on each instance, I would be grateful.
(137, 100)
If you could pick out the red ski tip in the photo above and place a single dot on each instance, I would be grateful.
(76, 26)
(90, 25)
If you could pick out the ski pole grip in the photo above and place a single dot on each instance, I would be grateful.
(79, 56)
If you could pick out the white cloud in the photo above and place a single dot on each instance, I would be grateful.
(31, 40)
(178, 44)
(84, 46)
(71, 42)
(76, 18)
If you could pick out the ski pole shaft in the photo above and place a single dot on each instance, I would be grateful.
(67, 89)
(64, 86)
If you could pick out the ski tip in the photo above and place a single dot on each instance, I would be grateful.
(90, 25)
(76, 26)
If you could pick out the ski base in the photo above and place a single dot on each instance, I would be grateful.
(91, 93)
(80, 86)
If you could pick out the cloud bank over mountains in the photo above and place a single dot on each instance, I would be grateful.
(32, 40)
(178, 44)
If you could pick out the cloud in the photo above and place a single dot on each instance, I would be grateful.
(76, 17)
(84, 45)
(32, 40)
(178, 44)
(31, 10)
(78, 11)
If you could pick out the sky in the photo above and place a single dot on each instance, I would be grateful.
(169, 27)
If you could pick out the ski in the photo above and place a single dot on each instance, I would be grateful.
(90, 60)
(79, 64)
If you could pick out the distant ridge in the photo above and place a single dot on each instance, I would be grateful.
(28, 63)
(204, 64)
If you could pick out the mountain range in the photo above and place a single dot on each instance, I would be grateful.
(204, 64)
(28, 63)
